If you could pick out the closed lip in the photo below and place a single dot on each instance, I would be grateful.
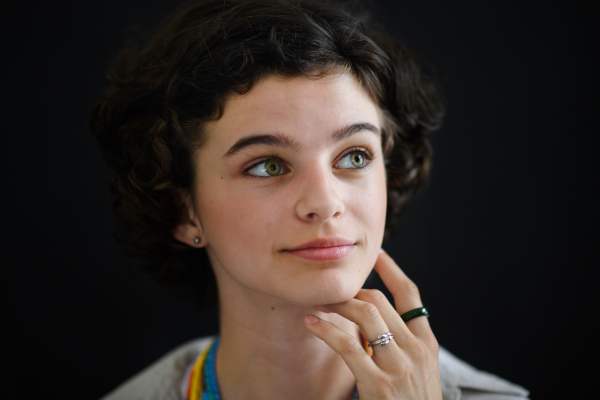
(323, 242)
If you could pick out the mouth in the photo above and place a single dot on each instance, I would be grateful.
(323, 249)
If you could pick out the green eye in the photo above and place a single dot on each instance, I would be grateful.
(273, 167)
(266, 169)
(357, 159)
(353, 160)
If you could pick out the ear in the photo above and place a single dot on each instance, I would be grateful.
(188, 226)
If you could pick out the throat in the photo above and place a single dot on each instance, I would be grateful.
(279, 367)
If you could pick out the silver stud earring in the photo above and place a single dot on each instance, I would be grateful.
(196, 240)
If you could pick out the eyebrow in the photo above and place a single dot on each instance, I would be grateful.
(280, 140)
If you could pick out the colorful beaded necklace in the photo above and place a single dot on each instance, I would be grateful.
(202, 379)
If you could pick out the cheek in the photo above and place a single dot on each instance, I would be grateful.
(369, 202)
(227, 217)
(237, 224)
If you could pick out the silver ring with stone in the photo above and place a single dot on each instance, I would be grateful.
(382, 339)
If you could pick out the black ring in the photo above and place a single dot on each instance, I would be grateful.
(417, 312)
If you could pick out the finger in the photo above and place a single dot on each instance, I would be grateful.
(405, 293)
(388, 313)
(364, 314)
(346, 345)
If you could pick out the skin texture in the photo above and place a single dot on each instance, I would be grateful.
(247, 223)
(274, 339)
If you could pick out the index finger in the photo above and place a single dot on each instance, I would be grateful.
(405, 293)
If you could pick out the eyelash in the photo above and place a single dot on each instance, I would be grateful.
(264, 160)
(365, 152)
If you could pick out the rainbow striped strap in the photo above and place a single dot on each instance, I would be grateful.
(195, 385)
(209, 375)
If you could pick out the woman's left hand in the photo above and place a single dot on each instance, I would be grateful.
(406, 367)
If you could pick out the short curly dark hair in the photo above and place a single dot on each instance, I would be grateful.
(162, 93)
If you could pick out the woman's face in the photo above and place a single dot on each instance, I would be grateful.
(291, 162)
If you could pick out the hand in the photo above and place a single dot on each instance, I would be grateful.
(406, 367)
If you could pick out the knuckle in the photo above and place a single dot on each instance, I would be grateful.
(383, 382)
(409, 288)
(433, 344)
(377, 296)
(385, 386)
(349, 345)
(369, 311)
(412, 289)
(382, 385)
(421, 351)
(326, 328)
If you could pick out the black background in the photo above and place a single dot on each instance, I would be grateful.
(502, 243)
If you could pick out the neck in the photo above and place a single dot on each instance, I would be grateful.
(266, 353)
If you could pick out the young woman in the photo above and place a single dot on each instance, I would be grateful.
(262, 150)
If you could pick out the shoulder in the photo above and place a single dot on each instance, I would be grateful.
(462, 381)
(161, 380)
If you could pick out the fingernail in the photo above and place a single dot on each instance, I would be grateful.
(311, 319)
(381, 251)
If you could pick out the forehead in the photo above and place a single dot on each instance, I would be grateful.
(297, 105)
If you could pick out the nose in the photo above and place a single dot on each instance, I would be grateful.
(319, 199)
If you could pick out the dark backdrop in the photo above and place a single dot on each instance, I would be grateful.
(502, 243)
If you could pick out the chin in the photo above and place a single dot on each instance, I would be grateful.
(328, 290)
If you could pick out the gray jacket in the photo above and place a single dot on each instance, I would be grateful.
(162, 380)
